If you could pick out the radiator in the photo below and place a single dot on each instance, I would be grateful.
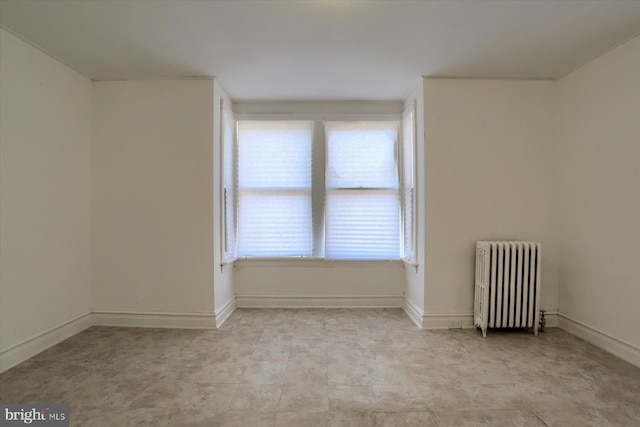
(507, 291)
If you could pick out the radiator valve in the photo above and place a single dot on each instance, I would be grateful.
(542, 320)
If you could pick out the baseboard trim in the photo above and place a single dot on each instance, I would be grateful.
(551, 319)
(414, 312)
(140, 319)
(28, 348)
(465, 320)
(319, 301)
(446, 320)
(599, 338)
(223, 313)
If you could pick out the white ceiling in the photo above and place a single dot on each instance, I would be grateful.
(319, 50)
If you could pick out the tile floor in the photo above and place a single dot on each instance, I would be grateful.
(328, 367)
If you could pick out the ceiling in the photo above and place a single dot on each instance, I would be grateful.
(321, 50)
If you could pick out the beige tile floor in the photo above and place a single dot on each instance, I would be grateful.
(328, 367)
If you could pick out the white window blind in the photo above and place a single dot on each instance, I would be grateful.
(362, 211)
(274, 188)
(228, 183)
(408, 183)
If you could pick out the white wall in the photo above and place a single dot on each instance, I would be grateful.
(153, 199)
(45, 199)
(489, 164)
(599, 189)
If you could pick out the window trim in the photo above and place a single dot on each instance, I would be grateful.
(314, 262)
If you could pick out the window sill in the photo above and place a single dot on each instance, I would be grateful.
(314, 262)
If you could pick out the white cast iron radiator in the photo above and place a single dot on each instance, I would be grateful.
(507, 285)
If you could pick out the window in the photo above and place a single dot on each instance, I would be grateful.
(322, 189)
(274, 188)
(409, 207)
(228, 216)
(362, 201)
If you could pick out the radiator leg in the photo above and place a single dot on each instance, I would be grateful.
(541, 323)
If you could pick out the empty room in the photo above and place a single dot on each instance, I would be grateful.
(319, 213)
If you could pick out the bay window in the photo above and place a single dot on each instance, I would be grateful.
(317, 188)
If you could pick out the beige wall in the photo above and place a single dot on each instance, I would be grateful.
(45, 196)
(599, 189)
(153, 196)
(489, 164)
(299, 283)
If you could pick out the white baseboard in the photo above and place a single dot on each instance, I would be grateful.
(447, 321)
(454, 320)
(414, 312)
(599, 338)
(318, 301)
(28, 348)
(465, 320)
(225, 311)
(551, 319)
(141, 319)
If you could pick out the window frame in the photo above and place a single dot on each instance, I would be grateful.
(277, 189)
(319, 185)
(359, 191)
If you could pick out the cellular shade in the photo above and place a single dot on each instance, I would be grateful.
(361, 155)
(362, 224)
(274, 154)
(275, 223)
